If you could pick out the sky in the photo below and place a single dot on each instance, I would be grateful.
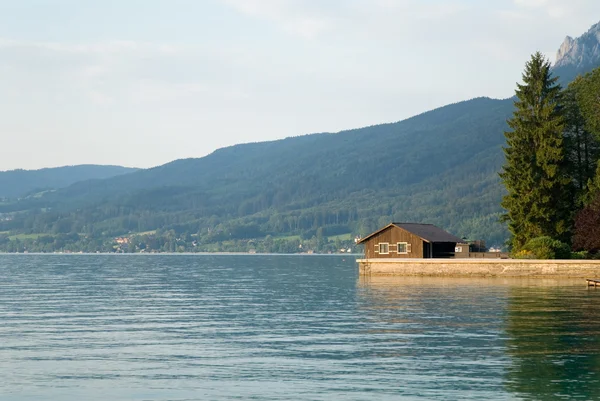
(140, 83)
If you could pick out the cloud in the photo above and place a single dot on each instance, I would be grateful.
(295, 17)
(143, 91)
(310, 19)
(405, 9)
(98, 48)
(531, 3)
(100, 99)
(555, 9)
(113, 72)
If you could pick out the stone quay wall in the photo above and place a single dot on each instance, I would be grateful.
(480, 268)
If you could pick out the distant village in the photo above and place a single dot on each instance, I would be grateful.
(395, 240)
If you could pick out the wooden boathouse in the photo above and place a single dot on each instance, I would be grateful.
(395, 249)
(413, 240)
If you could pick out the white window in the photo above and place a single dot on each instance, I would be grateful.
(384, 248)
(458, 249)
(403, 248)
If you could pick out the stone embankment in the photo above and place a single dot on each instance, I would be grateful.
(480, 267)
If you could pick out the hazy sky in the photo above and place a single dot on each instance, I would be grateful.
(143, 82)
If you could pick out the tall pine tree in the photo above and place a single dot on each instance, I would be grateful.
(586, 91)
(535, 173)
(581, 146)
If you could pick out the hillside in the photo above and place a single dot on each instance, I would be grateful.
(439, 167)
(20, 183)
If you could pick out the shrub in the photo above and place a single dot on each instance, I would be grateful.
(587, 228)
(523, 254)
(547, 248)
(580, 255)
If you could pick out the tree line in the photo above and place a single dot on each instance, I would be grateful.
(552, 170)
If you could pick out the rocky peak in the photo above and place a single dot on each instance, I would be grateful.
(578, 56)
(580, 52)
(565, 48)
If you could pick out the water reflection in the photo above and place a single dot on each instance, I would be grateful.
(553, 338)
(542, 334)
(450, 331)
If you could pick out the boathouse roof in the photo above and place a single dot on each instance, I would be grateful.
(428, 232)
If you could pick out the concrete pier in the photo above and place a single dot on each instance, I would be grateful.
(479, 267)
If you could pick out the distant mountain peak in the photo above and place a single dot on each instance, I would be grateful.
(564, 50)
(580, 52)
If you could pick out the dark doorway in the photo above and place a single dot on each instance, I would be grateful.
(443, 249)
(427, 250)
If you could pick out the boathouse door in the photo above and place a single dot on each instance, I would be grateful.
(427, 250)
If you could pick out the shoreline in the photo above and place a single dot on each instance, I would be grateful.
(174, 254)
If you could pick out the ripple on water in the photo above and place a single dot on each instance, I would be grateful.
(174, 327)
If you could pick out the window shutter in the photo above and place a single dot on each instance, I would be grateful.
(376, 248)
(408, 248)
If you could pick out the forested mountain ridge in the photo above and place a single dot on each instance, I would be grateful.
(438, 167)
(20, 183)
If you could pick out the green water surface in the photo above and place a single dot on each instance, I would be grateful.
(217, 327)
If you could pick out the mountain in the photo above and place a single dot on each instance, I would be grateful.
(20, 183)
(439, 167)
(578, 56)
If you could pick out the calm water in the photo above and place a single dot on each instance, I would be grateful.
(285, 327)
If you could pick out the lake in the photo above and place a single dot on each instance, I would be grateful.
(233, 327)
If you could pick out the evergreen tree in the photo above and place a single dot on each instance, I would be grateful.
(586, 91)
(581, 146)
(535, 174)
(593, 187)
(589, 100)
